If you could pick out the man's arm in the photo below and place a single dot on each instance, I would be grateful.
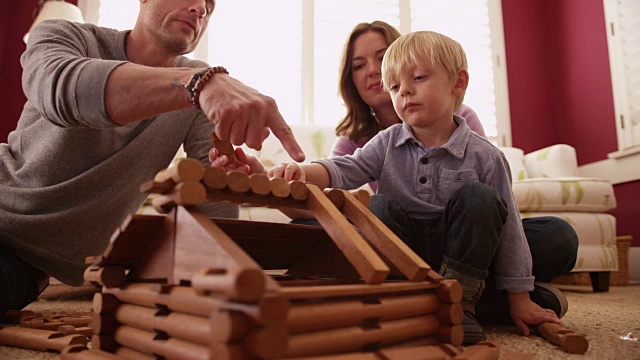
(136, 92)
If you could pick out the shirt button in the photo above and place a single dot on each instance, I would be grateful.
(423, 180)
(424, 160)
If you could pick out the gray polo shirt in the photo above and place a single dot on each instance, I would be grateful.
(423, 179)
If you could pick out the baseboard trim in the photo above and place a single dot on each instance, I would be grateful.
(634, 265)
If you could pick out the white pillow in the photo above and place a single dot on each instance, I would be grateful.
(515, 158)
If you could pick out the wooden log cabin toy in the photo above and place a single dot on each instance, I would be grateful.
(184, 286)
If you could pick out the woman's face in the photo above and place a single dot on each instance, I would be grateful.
(366, 65)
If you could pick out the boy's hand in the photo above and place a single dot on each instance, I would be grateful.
(246, 163)
(525, 312)
(288, 171)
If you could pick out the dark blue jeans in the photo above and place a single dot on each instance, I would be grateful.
(20, 283)
(466, 237)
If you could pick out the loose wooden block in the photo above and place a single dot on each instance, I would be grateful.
(572, 342)
(224, 148)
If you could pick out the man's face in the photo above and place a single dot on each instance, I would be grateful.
(176, 24)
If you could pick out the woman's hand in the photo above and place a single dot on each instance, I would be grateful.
(288, 171)
(246, 163)
(525, 312)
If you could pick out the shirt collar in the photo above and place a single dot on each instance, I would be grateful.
(456, 144)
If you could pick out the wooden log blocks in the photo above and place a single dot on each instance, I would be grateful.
(355, 338)
(270, 309)
(81, 352)
(151, 343)
(259, 184)
(362, 257)
(185, 170)
(244, 284)
(201, 294)
(108, 276)
(36, 339)
(394, 249)
(237, 181)
(569, 340)
(186, 193)
(215, 178)
(314, 316)
(298, 190)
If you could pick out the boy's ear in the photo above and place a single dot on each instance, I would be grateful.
(461, 82)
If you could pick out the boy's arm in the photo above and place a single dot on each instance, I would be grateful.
(316, 174)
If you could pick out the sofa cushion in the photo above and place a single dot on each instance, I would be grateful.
(551, 162)
(564, 194)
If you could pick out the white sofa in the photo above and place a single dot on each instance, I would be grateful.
(545, 182)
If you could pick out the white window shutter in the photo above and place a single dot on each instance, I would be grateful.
(624, 56)
(466, 21)
(118, 14)
(295, 59)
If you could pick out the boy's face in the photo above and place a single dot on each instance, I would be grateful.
(424, 95)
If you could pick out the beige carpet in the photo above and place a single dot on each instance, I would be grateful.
(611, 322)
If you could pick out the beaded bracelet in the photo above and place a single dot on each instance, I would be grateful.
(197, 82)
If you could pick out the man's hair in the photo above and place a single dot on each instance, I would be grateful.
(422, 47)
(359, 122)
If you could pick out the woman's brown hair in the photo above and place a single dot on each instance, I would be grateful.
(359, 122)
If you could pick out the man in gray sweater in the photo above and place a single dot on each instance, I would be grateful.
(106, 111)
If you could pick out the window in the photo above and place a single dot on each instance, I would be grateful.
(290, 49)
(624, 57)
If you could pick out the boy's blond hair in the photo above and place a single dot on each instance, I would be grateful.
(420, 47)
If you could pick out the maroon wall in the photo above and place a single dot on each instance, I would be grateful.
(17, 17)
(560, 86)
(17, 20)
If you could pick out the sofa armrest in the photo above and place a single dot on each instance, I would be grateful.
(551, 162)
